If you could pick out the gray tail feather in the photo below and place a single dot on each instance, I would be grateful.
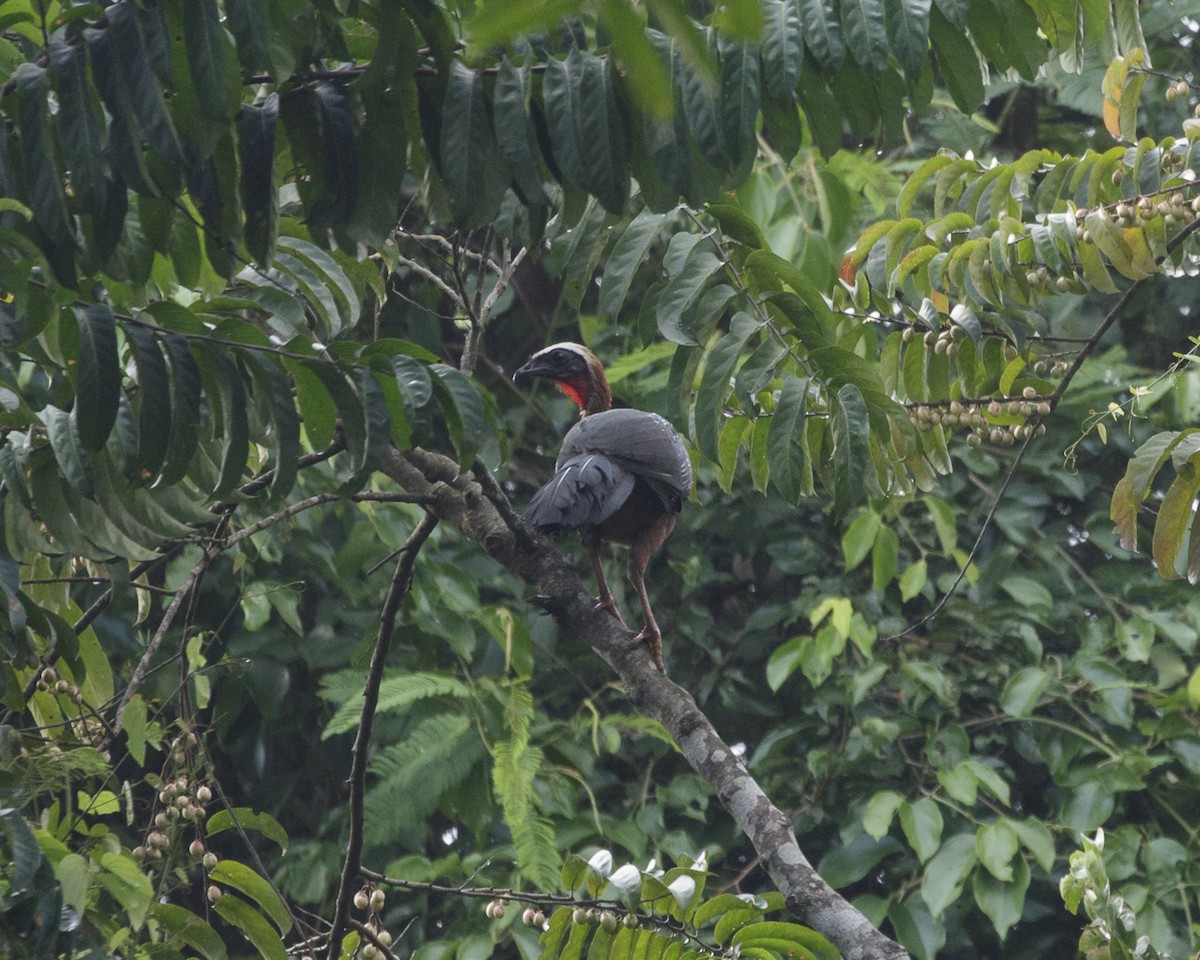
(586, 490)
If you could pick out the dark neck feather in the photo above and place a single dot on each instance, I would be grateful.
(597, 397)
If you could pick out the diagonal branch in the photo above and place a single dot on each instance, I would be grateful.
(461, 501)
(401, 582)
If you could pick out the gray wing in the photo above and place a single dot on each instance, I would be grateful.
(643, 443)
(586, 490)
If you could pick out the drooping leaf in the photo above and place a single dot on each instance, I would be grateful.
(907, 23)
(154, 403)
(81, 129)
(866, 33)
(514, 131)
(468, 151)
(850, 450)
(259, 186)
(206, 48)
(339, 155)
(98, 378)
(254, 925)
(823, 32)
(627, 254)
(785, 453)
(185, 409)
(782, 48)
(739, 99)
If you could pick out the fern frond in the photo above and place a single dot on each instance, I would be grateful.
(395, 693)
(414, 775)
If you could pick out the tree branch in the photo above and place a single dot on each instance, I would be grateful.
(461, 501)
(401, 582)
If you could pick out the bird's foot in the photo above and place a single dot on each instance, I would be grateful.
(653, 639)
(608, 603)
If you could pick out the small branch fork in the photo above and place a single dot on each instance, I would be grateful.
(401, 583)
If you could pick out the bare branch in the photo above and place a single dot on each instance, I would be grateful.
(401, 582)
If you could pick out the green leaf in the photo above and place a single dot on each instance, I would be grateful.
(1037, 839)
(243, 818)
(782, 47)
(235, 444)
(716, 385)
(907, 23)
(561, 100)
(462, 406)
(240, 877)
(587, 138)
(205, 41)
(124, 880)
(73, 458)
(98, 377)
(885, 558)
(627, 255)
(859, 538)
(739, 99)
(850, 451)
(185, 409)
(273, 391)
(922, 825)
(880, 809)
(681, 297)
(947, 872)
(866, 33)
(81, 129)
(702, 109)
(189, 928)
(957, 62)
(602, 135)
(650, 85)
(339, 185)
(1173, 523)
(1023, 691)
(514, 131)
(1002, 902)
(254, 925)
(848, 864)
(823, 32)
(154, 403)
(916, 929)
(47, 198)
(789, 468)
(995, 846)
(257, 123)
(468, 152)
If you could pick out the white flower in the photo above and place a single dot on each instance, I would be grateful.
(683, 889)
(601, 862)
(650, 869)
(701, 862)
(627, 879)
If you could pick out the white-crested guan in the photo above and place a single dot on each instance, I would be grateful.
(622, 475)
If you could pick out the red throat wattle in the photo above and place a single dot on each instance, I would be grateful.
(574, 389)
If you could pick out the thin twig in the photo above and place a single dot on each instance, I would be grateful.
(423, 271)
(401, 582)
(195, 575)
(987, 522)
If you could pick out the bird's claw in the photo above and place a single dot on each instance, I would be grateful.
(609, 604)
(653, 639)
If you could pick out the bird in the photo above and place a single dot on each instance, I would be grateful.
(621, 476)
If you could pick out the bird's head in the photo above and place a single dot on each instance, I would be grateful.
(576, 371)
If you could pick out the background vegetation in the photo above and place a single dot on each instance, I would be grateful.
(907, 276)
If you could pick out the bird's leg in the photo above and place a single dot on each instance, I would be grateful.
(640, 553)
(605, 601)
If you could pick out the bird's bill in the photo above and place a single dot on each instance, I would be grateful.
(536, 367)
